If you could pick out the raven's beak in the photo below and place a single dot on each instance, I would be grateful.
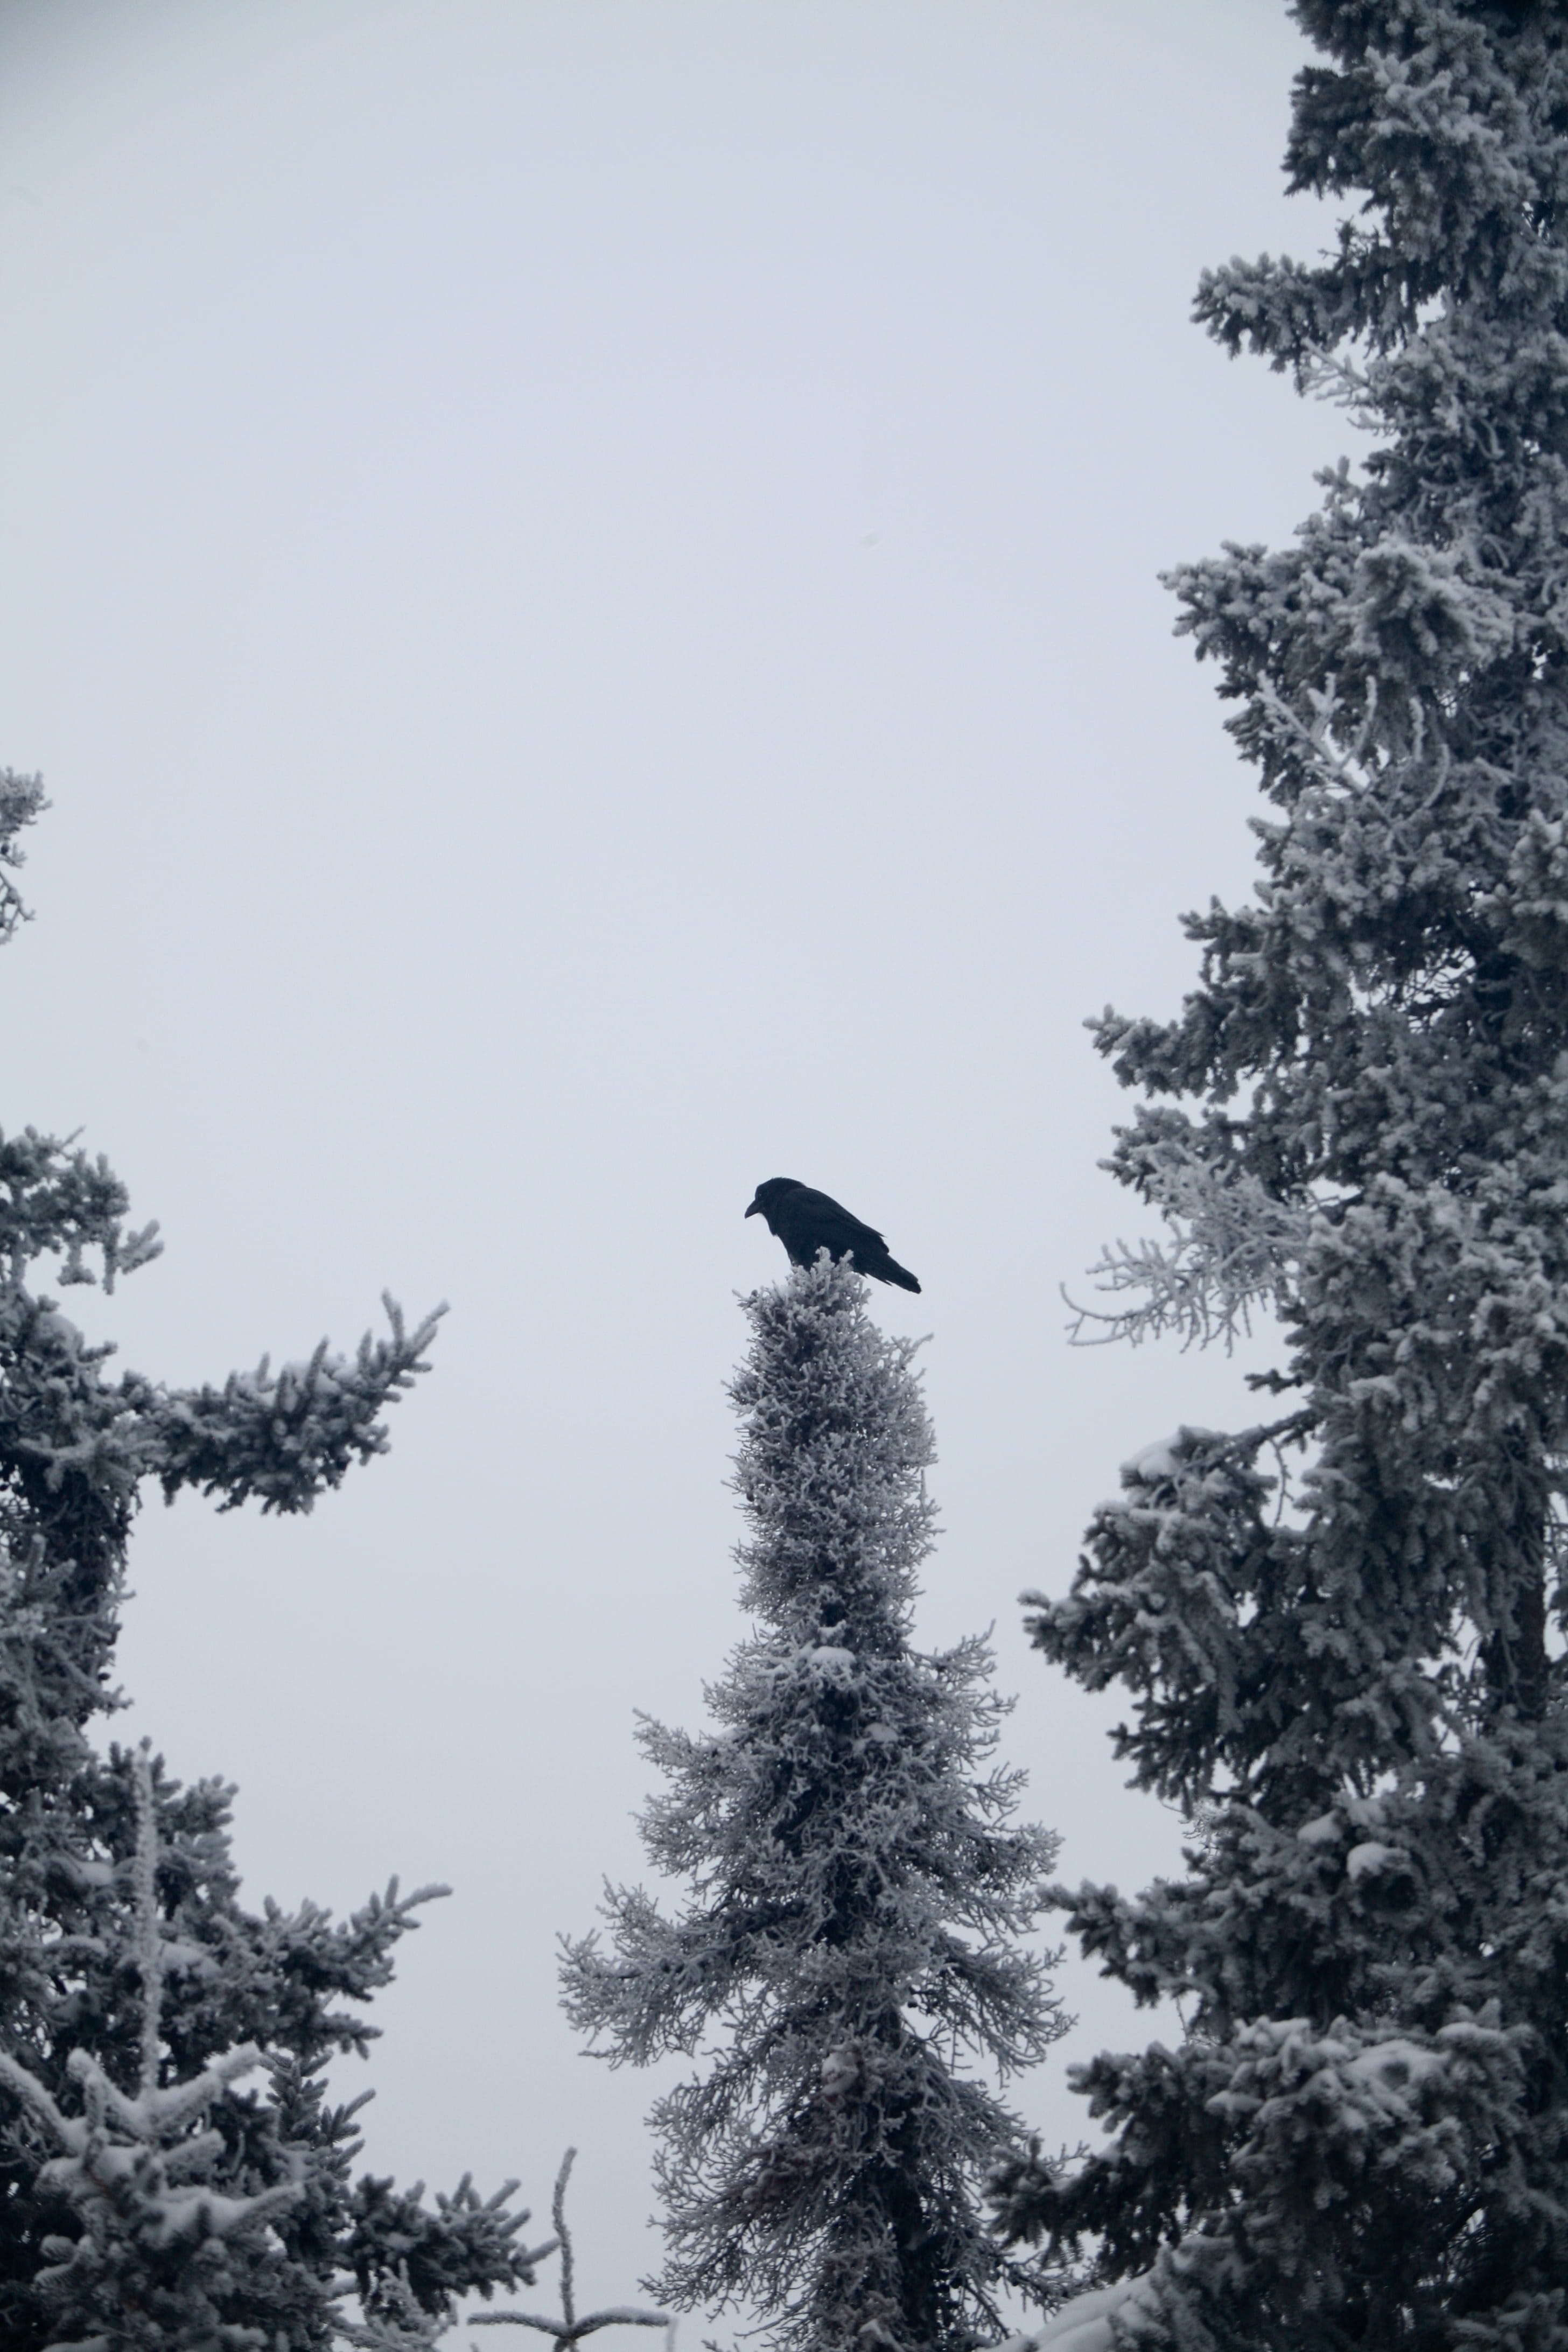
(755, 1210)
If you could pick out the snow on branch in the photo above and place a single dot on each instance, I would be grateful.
(1348, 770)
(1088, 2323)
(21, 800)
(53, 1199)
(137, 2168)
(287, 1436)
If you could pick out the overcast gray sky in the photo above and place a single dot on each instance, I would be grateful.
(581, 575)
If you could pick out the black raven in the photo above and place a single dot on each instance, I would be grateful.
(806, 1221)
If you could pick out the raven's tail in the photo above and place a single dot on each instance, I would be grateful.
(891, 1271)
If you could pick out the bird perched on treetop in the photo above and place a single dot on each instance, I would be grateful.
(806, 1221)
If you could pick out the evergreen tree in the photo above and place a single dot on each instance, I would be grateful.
(1358, 1699)
(855, 1886)
(149, 2197)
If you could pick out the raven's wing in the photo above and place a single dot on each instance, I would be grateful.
(806, 1221)
(810, 1222)
(817, 1221)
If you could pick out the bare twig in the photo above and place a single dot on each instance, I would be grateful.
(569, 2329)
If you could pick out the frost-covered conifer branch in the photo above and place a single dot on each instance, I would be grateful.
(398, 2321)
(466, 2244)
(1343, 765)
(284, 1437)
(21, 800)
(54, 1199)
(1234, 1246)
(1338, 379)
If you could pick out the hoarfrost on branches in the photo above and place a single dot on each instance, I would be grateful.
(1233, 1248)
(21, 799)
(855, 1889)
(1360, 1121)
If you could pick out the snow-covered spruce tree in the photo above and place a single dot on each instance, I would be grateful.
(856, 1887)
(234, 2221)
(1362, 2138)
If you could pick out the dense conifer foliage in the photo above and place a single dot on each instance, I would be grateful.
(172, 2174)
(1361, 1118)
(854, 1887)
